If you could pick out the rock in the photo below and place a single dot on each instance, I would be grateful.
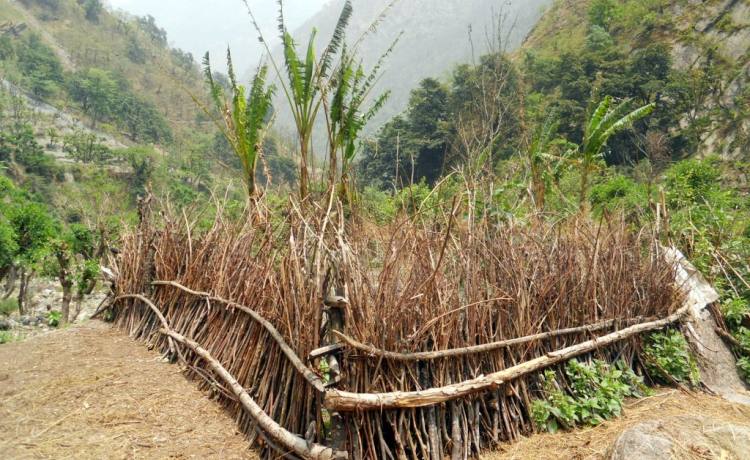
(636, 443)
(674, 436)
(5, 325)
(25, 321)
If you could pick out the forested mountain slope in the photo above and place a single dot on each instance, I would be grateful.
(707, 57)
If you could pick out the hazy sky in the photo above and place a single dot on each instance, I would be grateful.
(198, 26)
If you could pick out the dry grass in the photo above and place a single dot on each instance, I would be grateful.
(91, 392)
(593, 443)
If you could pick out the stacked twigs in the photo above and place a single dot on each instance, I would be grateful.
(413, 289)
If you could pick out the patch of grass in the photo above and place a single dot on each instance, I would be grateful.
(9, 336)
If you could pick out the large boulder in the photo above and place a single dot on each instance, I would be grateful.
(683, 437)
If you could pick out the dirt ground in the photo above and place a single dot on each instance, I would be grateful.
(593, 443)
(90, 391)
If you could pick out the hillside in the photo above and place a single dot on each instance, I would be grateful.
(709, 48)
(112, 52)
(436, 37)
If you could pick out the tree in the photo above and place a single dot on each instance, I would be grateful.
(428, 110)
(39, 65)
(33, 228)
(86, 148)
(97, 92)
(606, 121)
(92, 9)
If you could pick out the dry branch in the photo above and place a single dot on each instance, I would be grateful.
(345, 401)
(305, 371)
(475, 349)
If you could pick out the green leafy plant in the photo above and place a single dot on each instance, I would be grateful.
(668, 358)
(607, 120)
(596, 392)
(54, 318)
(6, 337)
(244, 118)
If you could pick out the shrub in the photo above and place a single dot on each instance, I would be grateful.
(734, 310)
(7, 306)
(668, 358)
(54, 318)
(596, 393)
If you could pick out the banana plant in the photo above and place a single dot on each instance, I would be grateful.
(243, 119)
(345, 116)
(305, 80)
(607, 120)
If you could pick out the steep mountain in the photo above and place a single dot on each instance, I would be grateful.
(708, 44)
(434, 35)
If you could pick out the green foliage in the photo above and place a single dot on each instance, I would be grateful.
(53, 318)
(596, 392)
(691, 182)
(41, 69)
(606, 121)
(743, 366)
(7, 306)
(377, 204)
(20, 147)
(618, 193)
(668, 358)
(735, 310)
(8, 243)
(92, 9)
(141, 160)
(7, 337)
(244, 120)
(85, 147)
(33, 227)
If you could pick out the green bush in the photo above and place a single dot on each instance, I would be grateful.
(6, 337)
(734, 310)
(54, 318)
(618, 193)
(596, 393)
(668, 358)
(8, 306)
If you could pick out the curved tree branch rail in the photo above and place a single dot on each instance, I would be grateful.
(311, 377)
(343, 401)
(288, 440)
(374, 352)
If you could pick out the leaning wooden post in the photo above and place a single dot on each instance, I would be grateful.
(334, 319)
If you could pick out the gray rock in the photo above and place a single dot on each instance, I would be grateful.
(5, 325)
(637, 443)
(672, 437)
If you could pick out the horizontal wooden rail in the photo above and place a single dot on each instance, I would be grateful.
(482, 348)
(311, 377)
(343, 401)
(286, 439)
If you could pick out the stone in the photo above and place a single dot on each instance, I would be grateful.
(673, 436)
(638, 443)
(5, 325)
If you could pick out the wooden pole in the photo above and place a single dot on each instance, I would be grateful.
(371, 351)
(344, 401)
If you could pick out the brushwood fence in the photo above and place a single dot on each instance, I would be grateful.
(329, 339)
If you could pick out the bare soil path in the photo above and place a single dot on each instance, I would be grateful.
(91, 392)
